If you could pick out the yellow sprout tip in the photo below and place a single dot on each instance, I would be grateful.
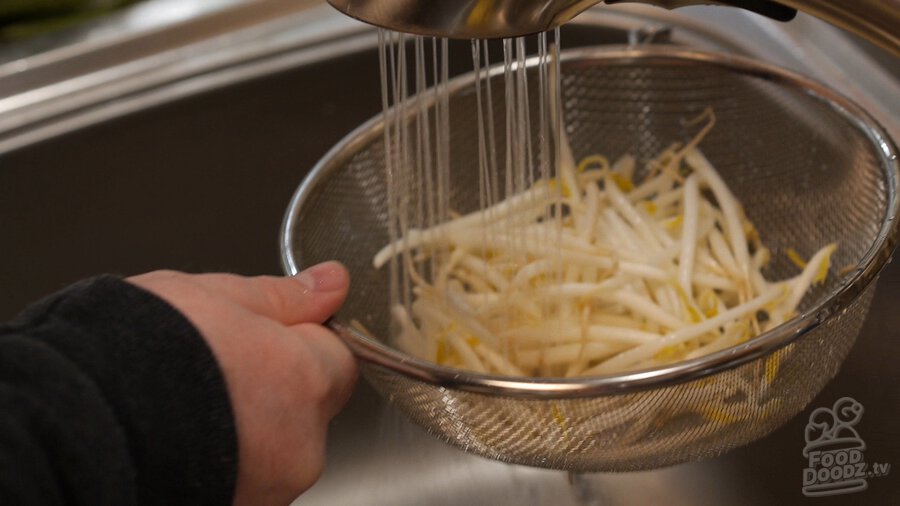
(650, 207)
(795, 257)
(772, 364)
(560, 418)
(598, 160)
(719, 416)
(623, 182)
(825, 265)
(675, 223)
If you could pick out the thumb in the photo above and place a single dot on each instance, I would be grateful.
(311, 296)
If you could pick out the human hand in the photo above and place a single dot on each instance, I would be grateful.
(286, 374)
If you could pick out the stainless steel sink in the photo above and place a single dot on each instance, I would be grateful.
(184, 154)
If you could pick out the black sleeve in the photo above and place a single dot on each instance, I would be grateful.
(109, 396)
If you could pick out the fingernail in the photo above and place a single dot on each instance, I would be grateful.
(324, 277)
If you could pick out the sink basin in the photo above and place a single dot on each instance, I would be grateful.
(186, 159)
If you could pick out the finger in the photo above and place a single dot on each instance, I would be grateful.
(335, 363)
(311, 296)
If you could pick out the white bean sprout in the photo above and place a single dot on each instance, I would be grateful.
(592, 273)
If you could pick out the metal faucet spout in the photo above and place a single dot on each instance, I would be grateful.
(875, 20)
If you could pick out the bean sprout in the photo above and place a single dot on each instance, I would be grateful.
(620, 276)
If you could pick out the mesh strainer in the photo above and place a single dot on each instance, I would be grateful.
(809, 167)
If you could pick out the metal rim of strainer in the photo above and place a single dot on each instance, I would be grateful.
(879, 253)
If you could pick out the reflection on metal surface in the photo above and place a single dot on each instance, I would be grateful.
(112, 28)
(141, 32)
(50, 86)
(875, 20)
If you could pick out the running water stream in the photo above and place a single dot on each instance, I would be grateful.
(517, 125)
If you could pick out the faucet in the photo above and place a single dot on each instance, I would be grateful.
(875, 20)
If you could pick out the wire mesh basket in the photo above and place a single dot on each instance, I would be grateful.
(809, 167)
